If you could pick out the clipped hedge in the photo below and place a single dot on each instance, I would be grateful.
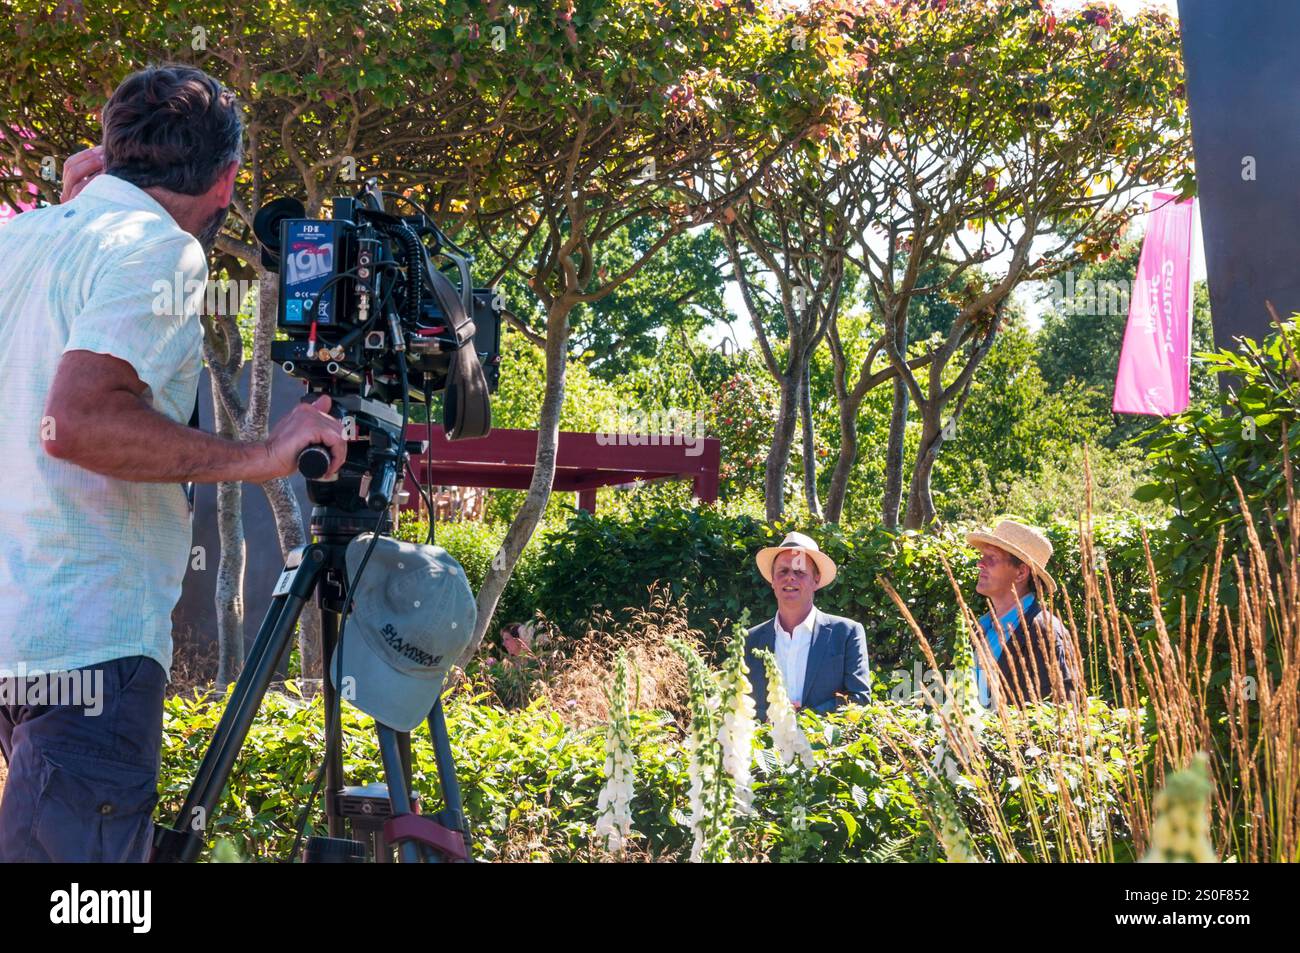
(530, 783)
(707, 560)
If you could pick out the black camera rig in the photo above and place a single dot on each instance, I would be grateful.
(365, 311)
(370, 321)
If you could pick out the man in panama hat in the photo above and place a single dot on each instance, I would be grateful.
(822, 657)
(1027, 643)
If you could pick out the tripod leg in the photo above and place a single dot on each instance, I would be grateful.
(399, 796)
(184, 842)
(333, 738)
(453, 808)
(404, 749)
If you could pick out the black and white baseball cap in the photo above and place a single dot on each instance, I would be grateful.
(412, 615)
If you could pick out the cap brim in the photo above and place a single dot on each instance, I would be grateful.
(826, 568)
(991, 540)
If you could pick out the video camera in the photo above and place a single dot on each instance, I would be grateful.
(370, 321)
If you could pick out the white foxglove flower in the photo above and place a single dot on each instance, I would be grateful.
(1180, 832)
(952, 833)
(614, 806)
(787, 737)
(711, 789)
(696, 772)
(961, 704)
(736, 734)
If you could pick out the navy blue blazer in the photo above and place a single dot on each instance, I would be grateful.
(837, 663)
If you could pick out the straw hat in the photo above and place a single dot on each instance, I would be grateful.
(1026, 543)
(798, 543)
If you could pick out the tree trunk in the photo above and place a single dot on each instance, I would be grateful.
(289, 528)
(844, 464)
(920, 502)
(809, 445)
(849, 402)
(539, 489)
(894, 457)
(229, 596)
(778, 456)
(255, 424)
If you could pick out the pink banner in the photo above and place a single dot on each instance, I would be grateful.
(1154, 373)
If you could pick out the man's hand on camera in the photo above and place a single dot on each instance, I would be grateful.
(80, 169)
(305, 425)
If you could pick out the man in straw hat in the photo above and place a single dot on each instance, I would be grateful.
(822, 657)
(1025, 641)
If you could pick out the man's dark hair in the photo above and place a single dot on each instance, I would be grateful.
(171, 126)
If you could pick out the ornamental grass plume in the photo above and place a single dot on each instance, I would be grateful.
(736, 733)
(615, 803)
(711, 788)
(787, 737)
(1180, 833)
(576, 686)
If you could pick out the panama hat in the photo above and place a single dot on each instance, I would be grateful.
(799, 543)
(1026, 543)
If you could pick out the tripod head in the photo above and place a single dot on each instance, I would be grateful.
(376, 456)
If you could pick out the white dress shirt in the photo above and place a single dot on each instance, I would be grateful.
(792, 653)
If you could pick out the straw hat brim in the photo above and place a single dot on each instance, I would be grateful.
(826, 568)
(990, 540)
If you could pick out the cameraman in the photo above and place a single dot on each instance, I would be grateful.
(100, 377)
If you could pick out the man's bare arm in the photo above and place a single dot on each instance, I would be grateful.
(102, 422)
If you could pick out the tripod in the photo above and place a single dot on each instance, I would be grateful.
(381, 815)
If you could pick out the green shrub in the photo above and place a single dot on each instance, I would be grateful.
(1196, 455)
(530, 784)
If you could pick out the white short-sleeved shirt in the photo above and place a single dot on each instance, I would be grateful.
(91, 566)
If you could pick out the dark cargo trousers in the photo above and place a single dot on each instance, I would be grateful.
(83, 778)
